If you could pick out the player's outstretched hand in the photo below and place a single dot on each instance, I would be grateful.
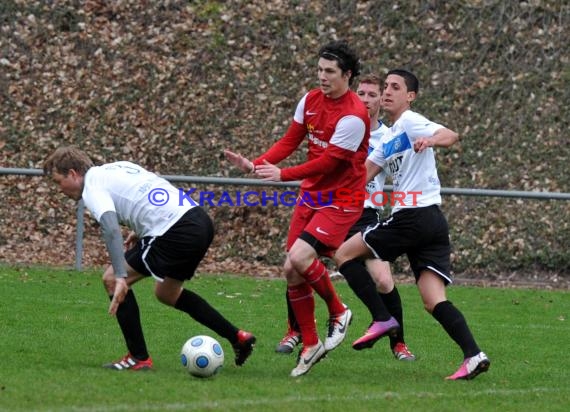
(121, 289)
(268, 171)
(239, 161)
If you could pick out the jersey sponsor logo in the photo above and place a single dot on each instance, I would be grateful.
(309, 113)
(398, 144)
(317, 141)
(394, 164)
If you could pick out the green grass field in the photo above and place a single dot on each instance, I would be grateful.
(55, 333)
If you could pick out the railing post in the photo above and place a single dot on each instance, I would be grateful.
(79, 235)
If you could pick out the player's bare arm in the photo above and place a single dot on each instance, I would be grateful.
(372, 169)
(443, 137)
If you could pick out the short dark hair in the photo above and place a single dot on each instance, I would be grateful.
(346, 58)
(412, 83)
(66, 158)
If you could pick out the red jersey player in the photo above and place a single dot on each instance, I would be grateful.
(336, 125)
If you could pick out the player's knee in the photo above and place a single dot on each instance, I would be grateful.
(109, 280)
(291, 274)
(429, 305)
(343, 255)
(162, 298)
(383, 286)
(300, 259)
(166, 296)
(288, 268)
(295, 261)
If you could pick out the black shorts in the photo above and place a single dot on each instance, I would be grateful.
(421, 233)
(370, 216)
(177, 253)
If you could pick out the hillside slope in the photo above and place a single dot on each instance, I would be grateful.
(170, 84)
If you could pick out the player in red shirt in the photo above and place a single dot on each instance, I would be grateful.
(336, 125)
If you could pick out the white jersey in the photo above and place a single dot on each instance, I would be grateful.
(376, 186)
(146, 203)
(414, 175)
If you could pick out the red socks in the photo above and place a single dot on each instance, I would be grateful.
(317, 276)
(303, 304)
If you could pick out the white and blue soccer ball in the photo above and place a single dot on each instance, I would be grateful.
(202, 356)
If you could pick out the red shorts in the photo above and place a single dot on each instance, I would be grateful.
(328, 225)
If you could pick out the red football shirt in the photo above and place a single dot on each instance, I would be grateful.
(337, 133)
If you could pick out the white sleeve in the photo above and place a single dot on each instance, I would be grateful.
(98, 202)
(377, 156)
(299, 116)
(416, 126)
(349, 133)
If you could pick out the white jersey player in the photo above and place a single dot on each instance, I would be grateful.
(170, 237)
(416, 227)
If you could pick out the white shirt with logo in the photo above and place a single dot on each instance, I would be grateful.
(143, 201)
(414, 174)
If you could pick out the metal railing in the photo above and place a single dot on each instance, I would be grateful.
(225, 181)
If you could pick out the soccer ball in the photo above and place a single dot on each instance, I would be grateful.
(202, 355)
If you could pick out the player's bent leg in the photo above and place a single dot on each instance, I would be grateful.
(171, 292)
(381, 274)
(128, 318)
(432, 289)
(316, 274)
(109, 278)
(168, 291)
(351, 249)
(300, 257)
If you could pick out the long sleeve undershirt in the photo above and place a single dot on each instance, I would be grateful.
(114, 240)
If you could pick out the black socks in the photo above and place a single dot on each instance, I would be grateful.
(364, 287)
(394, 305)
(456, 327)
(128, 316)
(202, 312)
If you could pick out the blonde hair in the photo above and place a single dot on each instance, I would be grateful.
(66, 158)
(371, 78)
